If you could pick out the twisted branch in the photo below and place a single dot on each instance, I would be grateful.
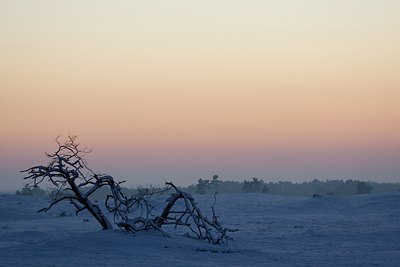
(69, 172)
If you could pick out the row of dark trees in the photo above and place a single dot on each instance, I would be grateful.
(256, 185)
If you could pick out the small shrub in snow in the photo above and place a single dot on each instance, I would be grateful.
(363, 188)
(31, 191)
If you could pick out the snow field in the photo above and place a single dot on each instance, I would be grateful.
(362, 230)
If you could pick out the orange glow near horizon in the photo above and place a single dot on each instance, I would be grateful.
(279, 90)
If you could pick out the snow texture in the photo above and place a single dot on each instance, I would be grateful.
(362, 230)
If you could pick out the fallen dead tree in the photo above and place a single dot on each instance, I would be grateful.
(190, 216)
(76, 182)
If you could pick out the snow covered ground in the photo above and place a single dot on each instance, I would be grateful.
(362, 230)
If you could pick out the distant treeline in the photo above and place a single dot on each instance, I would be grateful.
(254, 185)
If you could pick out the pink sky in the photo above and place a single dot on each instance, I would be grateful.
(178, 90)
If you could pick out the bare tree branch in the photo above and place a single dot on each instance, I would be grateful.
(68, 172)
(191, 216)
(66, 169)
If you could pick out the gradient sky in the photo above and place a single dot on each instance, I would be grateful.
(181, 90)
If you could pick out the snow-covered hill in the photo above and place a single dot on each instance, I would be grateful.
(362, 230)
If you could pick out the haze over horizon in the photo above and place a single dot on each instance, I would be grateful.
(181, 90)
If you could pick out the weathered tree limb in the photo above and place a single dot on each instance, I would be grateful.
(69, 172)
(66, 171)
(191, 216)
